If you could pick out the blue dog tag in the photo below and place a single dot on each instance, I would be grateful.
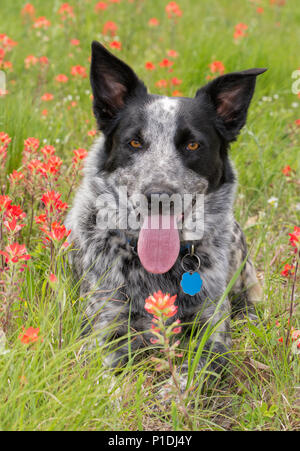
(191, 283)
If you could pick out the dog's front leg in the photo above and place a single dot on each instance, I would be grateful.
(110, 324)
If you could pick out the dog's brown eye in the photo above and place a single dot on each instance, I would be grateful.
(135, 144)
(192, 146)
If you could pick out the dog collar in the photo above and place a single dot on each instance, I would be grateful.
(191, 282)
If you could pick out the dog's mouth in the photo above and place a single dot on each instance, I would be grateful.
(158, 243)
(161, 225)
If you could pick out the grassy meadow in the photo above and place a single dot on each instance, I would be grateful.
(46, 383)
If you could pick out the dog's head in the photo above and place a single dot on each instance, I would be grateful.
(156, 145)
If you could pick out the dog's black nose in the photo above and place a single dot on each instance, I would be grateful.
(159, 190)
(157, 195)
(161, 194)
(160, 198)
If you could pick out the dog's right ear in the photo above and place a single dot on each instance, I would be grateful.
(113, 83)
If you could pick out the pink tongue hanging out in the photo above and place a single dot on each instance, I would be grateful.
(158, 245)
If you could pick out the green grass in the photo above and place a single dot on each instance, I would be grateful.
(50, 385)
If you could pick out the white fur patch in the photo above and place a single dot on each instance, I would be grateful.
(163, 105)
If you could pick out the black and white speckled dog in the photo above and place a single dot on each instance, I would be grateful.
(156, 144)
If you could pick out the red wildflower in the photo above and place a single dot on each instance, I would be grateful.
(47, 97)
(52, 201)
(100, 6)
(297, 122)
(278, 2)
(52, 278)
(28, 10)
(116, 45)
(175, 81)
(51, 167)
(5, 202)
(40, 219)
(72, 105)
(166, 63)
(66, 11)
(238, 34)
(92, 133)
(110, 28)
(153, 22)
(61, 78)
(79, 154)
(75, 42)
(15, 252)
(16, 176)
(172, 53)
(149, 65)
(161, 83)
(260, 10)
(35, 165)
(30, 60)
(177, 93)
(239, 30)
(47, 151)
(4, 138)
(29, 335)
(217, 67)
(161, 304)
(53, 164)
(79, 71)
(173, 10)
(241, 26)
(7, 65)
(295, 334)
(177, 330)
(31, 144)
(287, 170)
(287, 270)
(57, 233)
(50, 198)
(294, 237)
(43, 60)
(13, 226)
(41, 22)
(15, 211)
(154, 325)
(7, 42)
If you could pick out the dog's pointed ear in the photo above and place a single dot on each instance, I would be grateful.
(113, 83)
(231, 95)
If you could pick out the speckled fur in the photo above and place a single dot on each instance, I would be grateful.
(105, 258)
(112, 277)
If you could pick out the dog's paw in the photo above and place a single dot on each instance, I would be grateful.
(245, 317)
(253, 318)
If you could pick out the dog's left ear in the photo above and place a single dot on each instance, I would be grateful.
(231, 95)
(113, 83)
